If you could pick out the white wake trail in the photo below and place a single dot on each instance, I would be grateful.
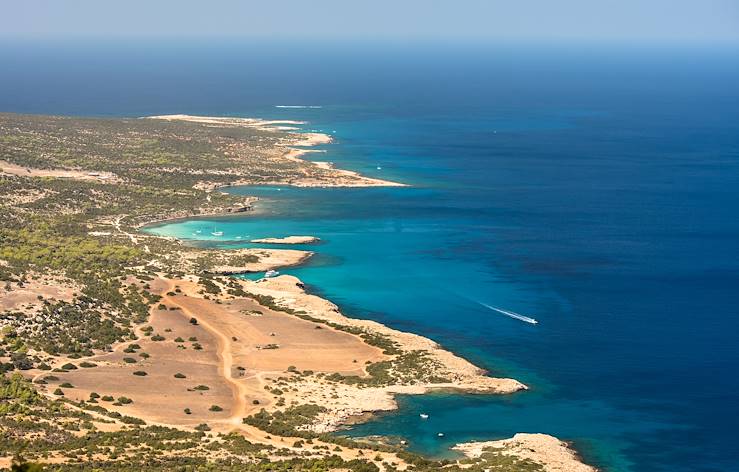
(511, 314)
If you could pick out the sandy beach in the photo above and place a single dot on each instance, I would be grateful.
(287, 240)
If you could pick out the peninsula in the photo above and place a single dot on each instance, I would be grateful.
(121, 350)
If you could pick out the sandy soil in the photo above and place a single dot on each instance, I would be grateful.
(25, 298)
(287, 240)
(233, 334)
(288, 291)
(553, 454)
(159, 397)
(13, 169)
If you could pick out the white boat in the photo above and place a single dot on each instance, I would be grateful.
(270, 273)
(217, 233)
(441, 435)
(238, 237)
(424, 416)
(379, 168)
(198, 232)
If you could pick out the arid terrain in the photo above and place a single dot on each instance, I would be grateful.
(121, 349)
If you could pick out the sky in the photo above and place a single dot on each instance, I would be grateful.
(606, 20)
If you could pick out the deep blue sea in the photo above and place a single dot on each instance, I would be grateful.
(594, 188)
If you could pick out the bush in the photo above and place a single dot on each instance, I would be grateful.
(188, 411)
(66, 385)
(158, 337)
(193, 321)
(107, 398)
(129, 360)
(140, 373)
(59, 392)
(202, 387)
(202, 427)
(88, 365)
(215, 408)
(178, 375)
(69, 366)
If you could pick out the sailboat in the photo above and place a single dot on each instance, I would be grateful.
(216, 232)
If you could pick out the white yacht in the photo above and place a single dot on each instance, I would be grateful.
(270, 273)
(424, 416)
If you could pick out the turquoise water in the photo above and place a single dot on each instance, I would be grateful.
(595, 189)
(425, 259)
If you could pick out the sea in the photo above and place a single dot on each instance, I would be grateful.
(593, 187)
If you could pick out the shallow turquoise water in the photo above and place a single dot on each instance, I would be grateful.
(503, 224)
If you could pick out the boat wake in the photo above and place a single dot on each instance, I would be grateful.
(512, 314)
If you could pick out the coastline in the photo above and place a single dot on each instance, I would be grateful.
(334, 178)
(555, 455)
(268, 341)
(351, 406)
(290, 291)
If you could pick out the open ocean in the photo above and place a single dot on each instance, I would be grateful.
(595, 189)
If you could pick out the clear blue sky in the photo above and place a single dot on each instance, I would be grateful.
(632, 20)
